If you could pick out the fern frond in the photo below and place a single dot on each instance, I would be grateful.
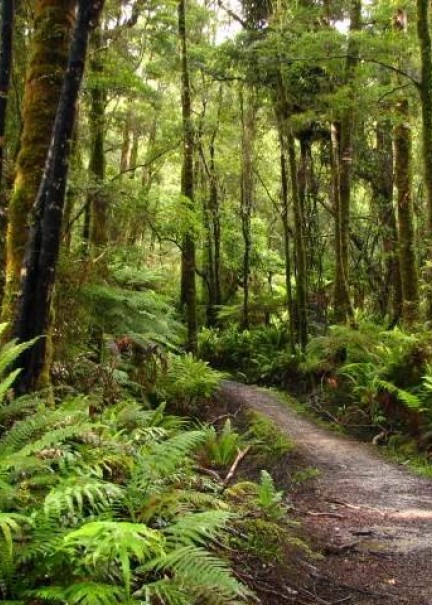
(83, 593)
(409, 399)
(76, 493)
(167, 456)
(197, 528)
(10, 523)
(11, 351)
(202, 572)
(108, 541)
(165, 591)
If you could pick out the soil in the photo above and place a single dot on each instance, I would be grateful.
(371, 519)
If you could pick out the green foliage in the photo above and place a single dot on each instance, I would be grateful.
(222, 447)
(257, 355)
(268, 498)
(186, 380)
(270, 441)
(93, 506)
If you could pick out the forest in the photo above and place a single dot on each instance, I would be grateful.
(215, 302)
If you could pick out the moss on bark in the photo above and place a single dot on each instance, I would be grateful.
(50, 44)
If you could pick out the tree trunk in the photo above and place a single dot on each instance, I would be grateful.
(424, 35)
(188, 262)
(299, 242)
(38, 277)
(342, 304)
(97, 199)
(382, 197)
(247, 192)
(403, 181)
(50, 43)
(7, 25)
(286, 233)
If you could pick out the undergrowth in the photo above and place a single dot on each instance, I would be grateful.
(104, 502)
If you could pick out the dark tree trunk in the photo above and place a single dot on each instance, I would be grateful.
(424, 35)
(287, 238)
(188, 261)
(382, 197)
(7, 25)
(247, 191)
(53, 23)
(342, 304)
(403, 181)
(38, 277)
(301, 269)
(97, 198)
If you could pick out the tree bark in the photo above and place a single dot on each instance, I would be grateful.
(299, 241)
(49, 50)
(97, 198)
(382, 198)
(287, 238)
(424, 36)
(6, 43)
(7, 25)
(188, 261)
(247, 193)
(342, 304)
(32, 317)
(403, 181)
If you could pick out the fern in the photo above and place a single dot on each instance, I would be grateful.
(76, 493)
(83, 593)
(103, 542)
(413, 402)
(197, 528)
(10, 523)
(202, 572)
(268, 498)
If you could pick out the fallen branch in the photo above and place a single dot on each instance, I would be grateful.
(209, 472)
(241, 454)
(335, 515)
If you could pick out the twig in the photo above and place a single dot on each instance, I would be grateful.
(209, 472)
(335, 515)
(241, 454)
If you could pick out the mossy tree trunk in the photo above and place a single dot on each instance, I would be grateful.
(342, 303)
(188, 260)
(299, 242)
(424, 35)
(97, 198)
(403, 182)
(7, 26)
(287, 237)
(49, 51)
(32, 318)
(382, 198)
(247, 194)
(6, 42)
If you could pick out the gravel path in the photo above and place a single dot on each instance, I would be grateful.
(360, 504)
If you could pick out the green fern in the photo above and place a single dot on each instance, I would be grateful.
(83, 593)
(105, 542)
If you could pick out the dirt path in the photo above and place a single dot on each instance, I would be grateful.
(372, 519)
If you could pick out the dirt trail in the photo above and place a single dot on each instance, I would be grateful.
(372, 518)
